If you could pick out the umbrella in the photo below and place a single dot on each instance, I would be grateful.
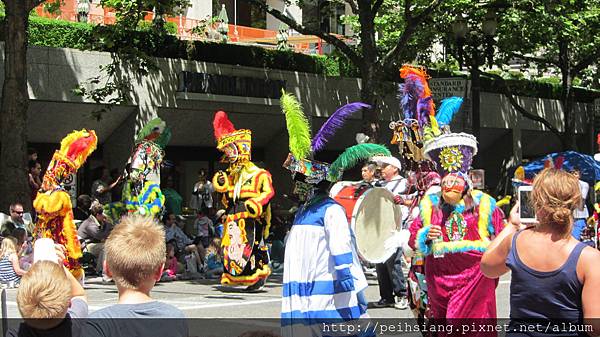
(587, 166)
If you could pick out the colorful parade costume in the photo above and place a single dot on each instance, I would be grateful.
(468, 220)
(247, 191)
(141, 191)
(53, 203)
(323, 281)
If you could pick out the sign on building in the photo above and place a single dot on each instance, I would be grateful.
(70, 185)
(454, 86)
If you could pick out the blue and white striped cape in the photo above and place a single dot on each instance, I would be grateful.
(319, 250)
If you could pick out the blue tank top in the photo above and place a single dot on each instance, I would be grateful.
(7, 272)
(552, 297)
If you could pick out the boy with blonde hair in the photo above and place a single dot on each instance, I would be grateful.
(51, 301)
(135, 258)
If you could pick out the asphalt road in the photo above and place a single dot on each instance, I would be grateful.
(207, 299)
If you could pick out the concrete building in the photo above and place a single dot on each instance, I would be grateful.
(178, 94)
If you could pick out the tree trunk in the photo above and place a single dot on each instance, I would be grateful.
(568, 139)
(13, 110)
(368, 70)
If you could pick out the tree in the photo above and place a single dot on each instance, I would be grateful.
(560, 37)
(15, 102)
(387, 31)
(550, 38)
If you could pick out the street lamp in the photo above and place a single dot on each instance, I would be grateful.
(472, 38)
(83, 9)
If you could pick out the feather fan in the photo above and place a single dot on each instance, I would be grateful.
(334, 122)
(353, 155)
(418, 74)
(297, 125)
(448, 109)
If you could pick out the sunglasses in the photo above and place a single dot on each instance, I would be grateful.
(18, 212)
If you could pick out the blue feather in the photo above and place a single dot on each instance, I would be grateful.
(448, 109)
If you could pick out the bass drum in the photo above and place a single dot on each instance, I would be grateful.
(374, 219)
(347, 193)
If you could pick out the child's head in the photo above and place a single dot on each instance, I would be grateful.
(135, 251)
(20, 234)
(9, 246)
(170, 250)
(214, 246)
(44, 292)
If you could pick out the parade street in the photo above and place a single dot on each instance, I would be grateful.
(203, 299)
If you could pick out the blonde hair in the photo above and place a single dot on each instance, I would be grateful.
(9, 246)
(554, 196)
(214, 247)
(135, 250)
(44, 292)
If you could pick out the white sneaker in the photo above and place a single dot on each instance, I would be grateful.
(401, 303)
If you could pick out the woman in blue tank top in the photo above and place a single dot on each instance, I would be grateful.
(555, 279)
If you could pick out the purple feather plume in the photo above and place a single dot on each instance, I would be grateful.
(411, 91)
(335, 121)
(423, 110)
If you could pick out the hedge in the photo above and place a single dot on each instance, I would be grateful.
(66, 34)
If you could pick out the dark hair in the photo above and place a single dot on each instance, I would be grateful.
(31, 151)
(85, 200)
(32, 164)
(18, 232)
(96, 209)
(166, 217)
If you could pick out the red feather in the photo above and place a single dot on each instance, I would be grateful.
(79, 146)
(558, 162)
(222, 124)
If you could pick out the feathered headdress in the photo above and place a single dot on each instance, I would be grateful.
(354, 155)
(155, 131)
(302, 148)
(449, 107)
(416, 99)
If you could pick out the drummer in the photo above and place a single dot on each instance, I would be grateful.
(389, 274)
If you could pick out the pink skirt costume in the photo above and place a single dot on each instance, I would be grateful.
(455, 285)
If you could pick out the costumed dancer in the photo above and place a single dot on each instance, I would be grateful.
(453, 229)
(323, 280)
(53, 203)
(141, 191)
(247, 191)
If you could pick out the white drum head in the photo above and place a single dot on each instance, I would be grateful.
(375, 218)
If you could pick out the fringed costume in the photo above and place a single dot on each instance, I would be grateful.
(53, 203)
(141, 191)
(468, 219)
(247, 191)
(323, 280)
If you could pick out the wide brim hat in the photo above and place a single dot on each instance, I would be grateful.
(451, 152)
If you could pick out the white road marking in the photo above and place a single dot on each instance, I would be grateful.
(228, 304)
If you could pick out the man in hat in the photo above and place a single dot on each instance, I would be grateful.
(453, 229)
(389, 274)
(247, 191)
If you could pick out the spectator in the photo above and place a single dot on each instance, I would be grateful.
(10, 270)
(220, 222)
(183, 244)
(173, 200)
(94, 230)
(204, 229)
(214, 259)
(82, 211)
(202, 193)
(24, 248)
(51, 301)
(101, 187)
(171, 265)
(32, 154)
(547, 261)
(370, 173)
(580, 213)
(15, 221)
(116, 192)
(135, 272)
(35, 181)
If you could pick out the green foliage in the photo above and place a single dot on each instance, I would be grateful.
(53, 7)
(58, 33)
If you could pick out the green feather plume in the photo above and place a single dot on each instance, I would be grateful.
(353, 155)
(297, 125)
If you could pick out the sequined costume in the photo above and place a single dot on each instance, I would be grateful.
(247, 191)
(141, 191)
(53, 203)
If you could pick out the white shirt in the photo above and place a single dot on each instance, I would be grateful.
(582, 213)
